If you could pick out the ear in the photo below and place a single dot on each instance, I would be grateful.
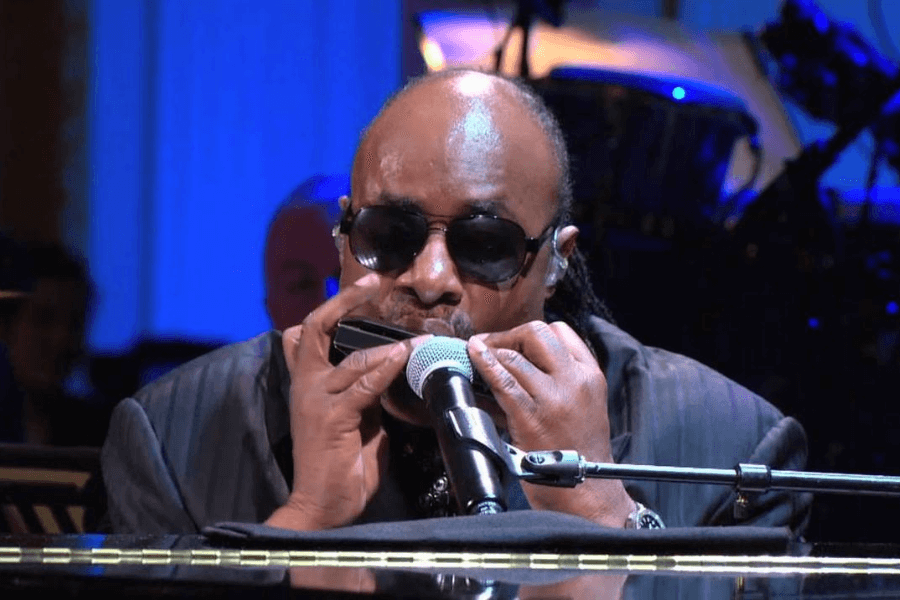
(562, 247)
(566, 241)
(338, 242)
(344, 202)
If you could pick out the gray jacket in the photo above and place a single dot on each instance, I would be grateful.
(199, 445)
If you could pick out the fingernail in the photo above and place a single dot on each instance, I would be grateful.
(419, 339)
(477, 344)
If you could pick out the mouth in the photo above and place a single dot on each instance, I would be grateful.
(453, 324)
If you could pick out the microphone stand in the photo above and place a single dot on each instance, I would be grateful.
(566, 468)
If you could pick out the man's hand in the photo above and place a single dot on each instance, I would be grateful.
(554, 395)
(339, 445)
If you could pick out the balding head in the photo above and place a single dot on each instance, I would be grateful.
(478, 95)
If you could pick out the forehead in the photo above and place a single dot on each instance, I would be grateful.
(458, 145)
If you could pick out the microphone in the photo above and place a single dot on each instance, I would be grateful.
(439, 372)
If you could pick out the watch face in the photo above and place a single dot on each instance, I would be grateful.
(649, 521)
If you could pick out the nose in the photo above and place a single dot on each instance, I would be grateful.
(433, 277)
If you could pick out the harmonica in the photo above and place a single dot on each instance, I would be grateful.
(360, 334)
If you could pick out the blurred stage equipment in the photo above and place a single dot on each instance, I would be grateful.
(835, 75)
(648, 152)
(632, 135)
(49, 490)
(661, 145)
(549, 10)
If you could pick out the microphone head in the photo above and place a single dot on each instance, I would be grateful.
(438, 352)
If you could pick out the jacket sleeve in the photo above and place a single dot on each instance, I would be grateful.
(783, 447)
(142, 496)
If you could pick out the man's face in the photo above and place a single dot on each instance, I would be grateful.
(300, 255)
(48, 334)
(448, 149)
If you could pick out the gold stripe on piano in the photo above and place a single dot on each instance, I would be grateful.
(436, 560)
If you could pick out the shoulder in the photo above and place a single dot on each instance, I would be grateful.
(652, 388)
(668, 409)
(194, 446)
(233, 375)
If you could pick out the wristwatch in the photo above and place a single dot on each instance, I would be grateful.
(643, 518)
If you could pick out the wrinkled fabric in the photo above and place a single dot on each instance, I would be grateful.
(201, 445)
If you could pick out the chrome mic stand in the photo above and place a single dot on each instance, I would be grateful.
(567, 468)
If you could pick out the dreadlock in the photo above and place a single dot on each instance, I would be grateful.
(574, 300)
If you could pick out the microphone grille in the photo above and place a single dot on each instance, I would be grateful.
(438, 352)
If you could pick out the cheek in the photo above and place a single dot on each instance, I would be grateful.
(350, 269)
(500, 310)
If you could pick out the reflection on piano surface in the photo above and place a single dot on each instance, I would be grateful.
(178, 566)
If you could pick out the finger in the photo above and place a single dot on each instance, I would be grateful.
(290, 343)
(573, 342)
(530, 378)
(366, 390)
(536, 340)
(318, 326)
(507, 390)
(360, 363)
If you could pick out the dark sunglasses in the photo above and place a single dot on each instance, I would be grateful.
(485, 248)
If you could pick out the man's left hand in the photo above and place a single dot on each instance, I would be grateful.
(553, 393)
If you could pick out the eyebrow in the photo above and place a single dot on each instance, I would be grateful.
(487, 206)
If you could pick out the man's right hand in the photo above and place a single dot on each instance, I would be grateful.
(339, 444)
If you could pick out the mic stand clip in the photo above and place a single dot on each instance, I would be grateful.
(559, 468)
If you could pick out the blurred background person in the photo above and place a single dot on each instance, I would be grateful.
(15, 287)
(48, 399)
(301, 260)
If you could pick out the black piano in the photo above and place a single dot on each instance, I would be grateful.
(236, 561)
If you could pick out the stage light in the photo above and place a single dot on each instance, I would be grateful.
(432, 54)
(678, 93)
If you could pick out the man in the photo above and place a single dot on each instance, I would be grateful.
(45, 336)
(15, 288)
(456, 225)
(300, 259)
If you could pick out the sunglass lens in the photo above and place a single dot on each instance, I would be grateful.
(486, 248)
(387, 239)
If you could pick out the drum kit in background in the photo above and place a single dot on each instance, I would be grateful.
(673, 128)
